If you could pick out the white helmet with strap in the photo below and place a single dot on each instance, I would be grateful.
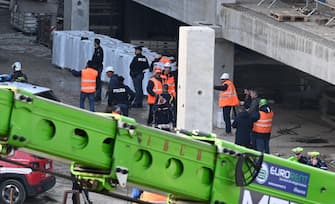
(224, 76)
(16, 66)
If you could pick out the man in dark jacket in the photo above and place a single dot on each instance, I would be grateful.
(262, 127)
(254, 101)
(247, 98)
(121, 96)
(163, 110)
(97, 60)
(298, 156)
(315, 161)
(114, 82)
(137, 66)
(243, 126)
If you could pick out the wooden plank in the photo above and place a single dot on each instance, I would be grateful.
(331, 2)
(287, 16)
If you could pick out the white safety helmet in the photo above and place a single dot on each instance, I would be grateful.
(167, 65)
(110, 69)
(224, 76)
(16, 66)
(172, 58)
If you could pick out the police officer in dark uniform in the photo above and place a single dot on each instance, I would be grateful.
(137, 66)
(315, 160)
(121, 96)
(17, 75)
(298, 156)
(97, 60)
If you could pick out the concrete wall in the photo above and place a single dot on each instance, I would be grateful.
(76, 14)
(188, 11)
(49, 7)
(281, 42)
(195, 12)
(192, 12)
(139, 21)
(24, 6)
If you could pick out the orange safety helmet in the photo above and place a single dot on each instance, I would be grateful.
(165, 59)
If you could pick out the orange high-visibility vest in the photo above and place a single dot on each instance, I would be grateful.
(169, 80)
(264, 124)
(153, 197)
(88, 80)
(229, 96)
(157, 89)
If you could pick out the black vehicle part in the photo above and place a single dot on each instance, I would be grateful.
(247, 168)
(12, 191)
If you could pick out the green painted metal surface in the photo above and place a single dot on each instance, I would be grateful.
(6, 102)
(63, 131)
(174, 163)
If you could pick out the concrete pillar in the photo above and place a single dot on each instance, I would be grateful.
(195, 84)
(223, 62)
(76, 14)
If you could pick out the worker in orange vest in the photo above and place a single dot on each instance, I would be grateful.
(262, 126)
(227, 99)
(169, 79)
(88, 85)
(154, 88)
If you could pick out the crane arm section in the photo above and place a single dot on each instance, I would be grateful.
(110, 150)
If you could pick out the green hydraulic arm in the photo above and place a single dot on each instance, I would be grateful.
(110, 150)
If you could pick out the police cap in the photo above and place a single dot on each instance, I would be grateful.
(138, 48)
(297, 150)
(313, 154)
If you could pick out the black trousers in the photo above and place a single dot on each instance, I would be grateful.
(226, 117)
(151, 114)
(99, 84)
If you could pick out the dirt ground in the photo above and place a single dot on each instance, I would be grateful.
(291, 127)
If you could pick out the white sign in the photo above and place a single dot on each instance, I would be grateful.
(252, 197)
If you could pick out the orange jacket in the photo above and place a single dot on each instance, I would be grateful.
(264, 123)
(169, 80)
(88, 80)
(157, 89)
(229, 96)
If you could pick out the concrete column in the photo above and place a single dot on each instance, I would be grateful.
(211, 12)
(223, 62)
(195, 84)
(76, 14)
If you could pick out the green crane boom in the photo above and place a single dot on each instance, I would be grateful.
(110, 150)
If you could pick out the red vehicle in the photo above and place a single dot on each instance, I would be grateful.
(23, 182)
